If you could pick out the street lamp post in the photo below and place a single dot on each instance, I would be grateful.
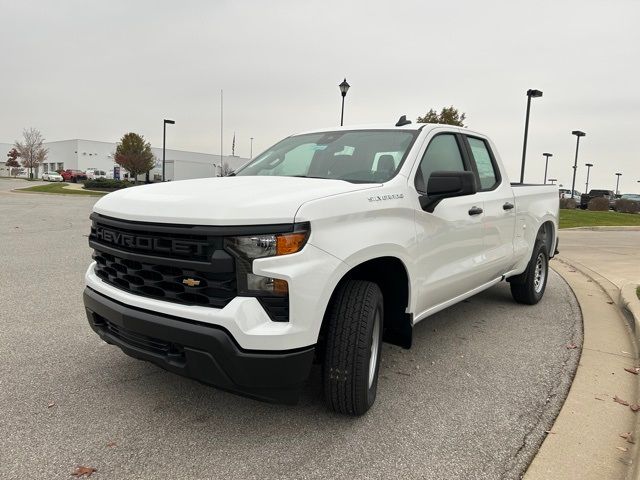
(578, 134)
(553, 181)
(530, 94)
(164, 142)
(546, 164)
(618, 183)
(251, 150)
(344, 88)
(586, 187)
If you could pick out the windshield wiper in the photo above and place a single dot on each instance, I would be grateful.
(311, 176)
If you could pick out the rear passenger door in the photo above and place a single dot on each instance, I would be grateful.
(499, 216)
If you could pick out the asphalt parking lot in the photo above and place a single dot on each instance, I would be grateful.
(472, 399)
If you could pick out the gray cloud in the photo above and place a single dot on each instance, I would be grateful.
(97, 69)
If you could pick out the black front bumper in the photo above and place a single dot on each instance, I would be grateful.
(199, 351)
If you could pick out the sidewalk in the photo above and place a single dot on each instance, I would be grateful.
(80, 186)
(585, 441)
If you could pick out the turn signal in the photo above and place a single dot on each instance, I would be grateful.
(290, 243)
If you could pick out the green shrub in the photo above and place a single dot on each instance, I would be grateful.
(106, 184)
(627, 206)
(568, 203)
(599, 204)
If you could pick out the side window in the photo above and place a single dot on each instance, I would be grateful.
(442, 153)
(482, 158)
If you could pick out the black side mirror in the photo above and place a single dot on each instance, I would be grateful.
(443, 185)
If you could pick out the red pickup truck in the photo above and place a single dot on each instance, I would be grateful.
(73, 175)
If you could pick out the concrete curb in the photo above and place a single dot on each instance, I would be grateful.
(93, 193)
(584, 441)
(630, 302)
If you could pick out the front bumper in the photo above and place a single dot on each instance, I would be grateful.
(204, 352)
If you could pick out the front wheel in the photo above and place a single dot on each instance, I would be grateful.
(529, 287)
(353, 346)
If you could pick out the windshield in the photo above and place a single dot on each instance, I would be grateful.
(358, 156)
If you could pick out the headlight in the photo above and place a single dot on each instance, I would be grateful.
(250, 247)
(260, 246)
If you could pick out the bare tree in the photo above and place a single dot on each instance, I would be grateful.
(31, 150)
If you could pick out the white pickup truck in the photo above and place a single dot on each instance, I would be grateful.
(318, 250)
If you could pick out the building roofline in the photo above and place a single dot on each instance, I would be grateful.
(115, 143)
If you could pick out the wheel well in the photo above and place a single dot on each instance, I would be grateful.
(390, 274)
(546, 234)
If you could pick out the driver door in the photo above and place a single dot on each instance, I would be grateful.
(450, 240)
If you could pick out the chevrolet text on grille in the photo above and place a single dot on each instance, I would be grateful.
(155, 244)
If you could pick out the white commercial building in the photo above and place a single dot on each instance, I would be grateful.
(83, 154)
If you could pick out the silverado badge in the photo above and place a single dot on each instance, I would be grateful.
(190, 282)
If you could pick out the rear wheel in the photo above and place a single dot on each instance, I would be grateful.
(354, 342)
(529, 287)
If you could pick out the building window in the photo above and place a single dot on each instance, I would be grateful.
(60, 166)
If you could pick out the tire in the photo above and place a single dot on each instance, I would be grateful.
(529, 287)
(353, 347)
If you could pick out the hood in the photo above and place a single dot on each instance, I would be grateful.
(256, 200)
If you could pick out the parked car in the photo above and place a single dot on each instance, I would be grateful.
(566, 193)
(328, 244)
(631, 196)
(94, 173)
(73, 175)
(585, 198)
(627, 196)
(52, 177)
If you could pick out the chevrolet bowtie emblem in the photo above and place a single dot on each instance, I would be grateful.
(190, 282)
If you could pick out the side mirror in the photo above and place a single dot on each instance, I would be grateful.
(443, 185)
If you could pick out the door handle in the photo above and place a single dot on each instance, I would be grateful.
(507, 206)
(475, 211)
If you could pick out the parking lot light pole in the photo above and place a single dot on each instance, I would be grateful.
(344, 88)
(546, 164)
(586, 187)
(164, 143)
(618, 183)
(578, 134)
(530, 94)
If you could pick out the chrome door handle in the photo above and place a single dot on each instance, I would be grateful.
(475, 211)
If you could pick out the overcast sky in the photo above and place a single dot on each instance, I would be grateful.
(95, 70)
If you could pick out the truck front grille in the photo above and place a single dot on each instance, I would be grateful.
(171, 263)
(166, 282)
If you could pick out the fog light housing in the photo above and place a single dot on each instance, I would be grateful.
(268, 285)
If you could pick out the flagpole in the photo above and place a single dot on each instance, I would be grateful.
(221, 127)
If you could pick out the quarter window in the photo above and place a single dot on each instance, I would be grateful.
(482, 158)
(442, 154)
